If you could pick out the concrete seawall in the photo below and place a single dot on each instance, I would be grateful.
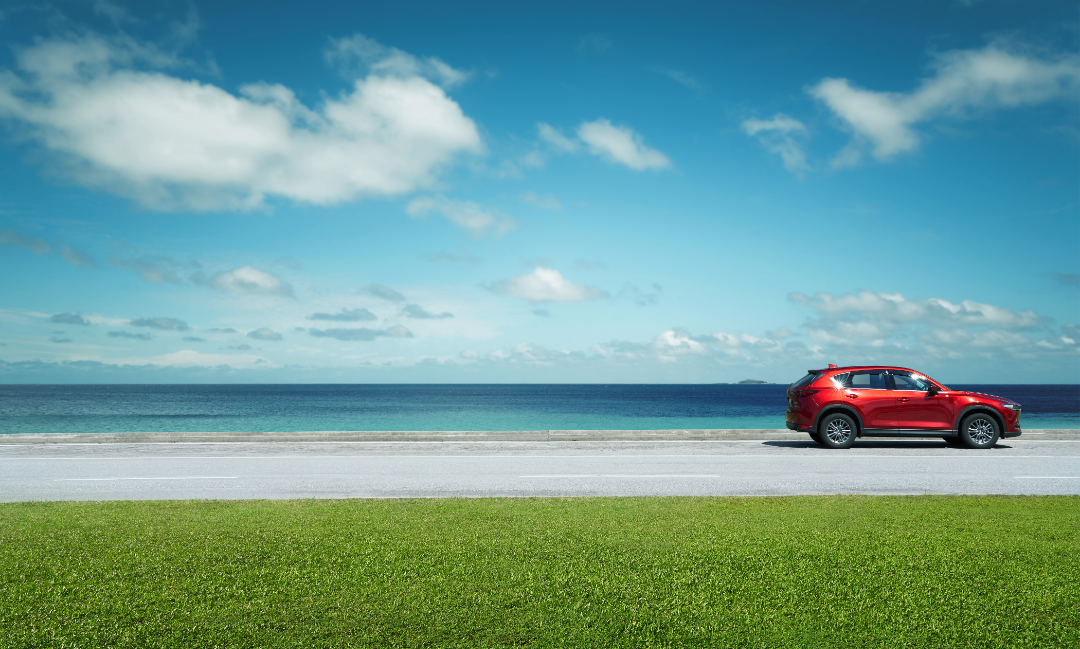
(453, 436)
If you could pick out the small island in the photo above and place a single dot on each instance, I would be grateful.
(752, 382)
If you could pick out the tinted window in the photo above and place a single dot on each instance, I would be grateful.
(872, 380)
(804, 380)
(906, 381)
(842, 380)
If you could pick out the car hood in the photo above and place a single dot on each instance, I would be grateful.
(980, 395)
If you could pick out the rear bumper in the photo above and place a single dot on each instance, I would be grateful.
(791, 420)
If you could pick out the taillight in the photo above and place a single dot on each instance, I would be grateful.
(805, 393)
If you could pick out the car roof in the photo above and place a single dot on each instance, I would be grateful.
(860, 367)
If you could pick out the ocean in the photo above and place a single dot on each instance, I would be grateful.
(291, 408)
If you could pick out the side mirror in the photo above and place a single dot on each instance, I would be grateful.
(932, 390)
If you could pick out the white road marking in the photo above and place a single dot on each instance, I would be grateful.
(183, 477)
(622, 475)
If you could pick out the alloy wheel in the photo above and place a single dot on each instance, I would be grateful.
(838, 431)
(981, 431)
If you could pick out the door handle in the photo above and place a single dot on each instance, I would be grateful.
(903, 399)
(852, 396)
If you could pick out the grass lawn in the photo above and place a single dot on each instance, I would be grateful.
(636, 572)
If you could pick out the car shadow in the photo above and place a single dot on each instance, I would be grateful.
(878, 443)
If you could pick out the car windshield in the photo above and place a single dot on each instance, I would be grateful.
(940, 384)
(911, 381)
(905, 381)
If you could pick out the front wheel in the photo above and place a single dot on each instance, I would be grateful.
(979, 431)
(837, 431)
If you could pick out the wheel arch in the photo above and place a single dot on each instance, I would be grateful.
(970, 410)
(840, 407)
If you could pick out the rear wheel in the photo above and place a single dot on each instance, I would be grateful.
(837, 431)
(979, 431)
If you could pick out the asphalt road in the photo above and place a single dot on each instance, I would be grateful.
(479, 469)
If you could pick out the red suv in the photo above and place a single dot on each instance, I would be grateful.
(838, 404)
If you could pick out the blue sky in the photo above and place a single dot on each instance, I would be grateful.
(542, 192)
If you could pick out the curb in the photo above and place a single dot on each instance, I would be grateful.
(455, 436)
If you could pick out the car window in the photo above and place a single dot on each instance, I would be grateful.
(842, 380)
(906, 381)
(868, 380)
(804, 380)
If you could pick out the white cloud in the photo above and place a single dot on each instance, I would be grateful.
(381, 292)
(554, 137)
(116, 121)
(129, 335)
(26, 242)
(264, 333)
(39, 246)
(359, 55)
(869, 327)
(618, 144)
(997, 76)
(780, 123)
(541, 201)
(98, 319)
(420, 313)
(680, 77)
(158, 269)
(858, 328)
(346, 315)
(646, 297)
(69, 319)
(76, 258)
(247, 280)
(677, 342)
(547, 285)
(192, 358)
(478, 220)
(185, 358)
(161, 324)
(523, 354)
(622, 145)
(779, 136)
(890, 310)
(361, 333)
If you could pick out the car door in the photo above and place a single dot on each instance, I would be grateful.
(867, 392)
(916, 407)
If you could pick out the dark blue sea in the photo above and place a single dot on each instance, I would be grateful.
(289, 408)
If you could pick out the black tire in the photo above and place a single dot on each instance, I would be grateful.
(837, 431)
(816, 438)
(979, 430)
(953, 441)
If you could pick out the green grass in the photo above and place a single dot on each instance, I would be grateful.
(634, 572)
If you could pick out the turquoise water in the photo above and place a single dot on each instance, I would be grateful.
(289, 408)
